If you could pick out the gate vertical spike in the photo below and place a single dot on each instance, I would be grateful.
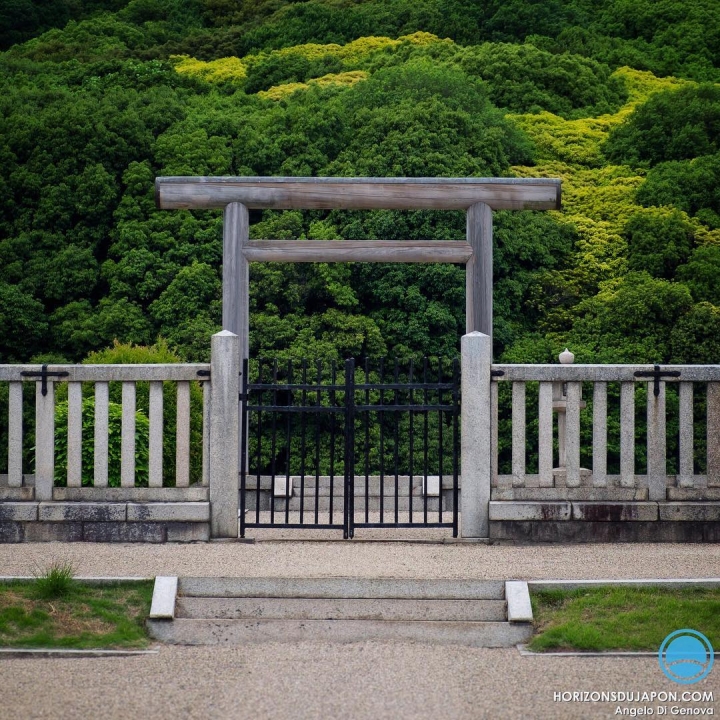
(425, 440)
(456, 418)
(243, 444)
(349, 463)
(317, 442)
(287, 443)
(259, 444)
(367, 443)
(333, 380)
(412, 445)
(396, 439)
(440, 437)
(381, 417)
(302, 442)
(273, 443)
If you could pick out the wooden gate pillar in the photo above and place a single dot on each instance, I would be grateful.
(236, 276)
(479, 272)
(236, 285)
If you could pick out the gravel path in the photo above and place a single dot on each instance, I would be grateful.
(363, 680)
(324, 682)
(371, 559)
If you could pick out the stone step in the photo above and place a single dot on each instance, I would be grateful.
(188, 631)
(341, 609)
(342, 588)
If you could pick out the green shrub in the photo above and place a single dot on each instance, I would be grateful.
(142, 439)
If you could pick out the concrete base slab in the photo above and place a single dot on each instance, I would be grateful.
(18, 511)
(614, 511)
(690, 511)
(82, 512)
(523, 511)
(581, 531)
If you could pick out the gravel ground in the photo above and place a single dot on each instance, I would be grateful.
(308, 681)
(362, 680)
(371, 559)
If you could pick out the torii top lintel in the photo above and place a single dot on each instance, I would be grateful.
(328, 193)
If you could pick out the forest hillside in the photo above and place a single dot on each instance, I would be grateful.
(619, 98)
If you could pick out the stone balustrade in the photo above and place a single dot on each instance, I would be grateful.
(32, 507)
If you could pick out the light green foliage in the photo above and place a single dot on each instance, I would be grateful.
(231, 70)
(345, 79)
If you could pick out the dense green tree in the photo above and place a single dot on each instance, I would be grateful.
(631, 320)
(658, 242)
(522, 78)
(696, 337)
(690, 185)
(672, 125)
(702, 274)
(91, 111)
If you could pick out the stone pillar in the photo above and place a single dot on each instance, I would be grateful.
(44, 441)
(224, 425)
(475, 434)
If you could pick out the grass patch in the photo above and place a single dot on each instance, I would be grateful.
(56, 582)
(621, 618)
(55, 611)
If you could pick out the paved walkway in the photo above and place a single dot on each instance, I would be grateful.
(362, 680)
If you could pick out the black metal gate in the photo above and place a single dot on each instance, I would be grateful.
(366, 445)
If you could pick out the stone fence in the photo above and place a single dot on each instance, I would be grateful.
(83, 505)
(548, 452)
(640, 418)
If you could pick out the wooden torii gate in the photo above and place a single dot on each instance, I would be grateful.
(236, 195)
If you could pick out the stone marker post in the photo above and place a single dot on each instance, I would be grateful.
(475, 434)
(224, 420)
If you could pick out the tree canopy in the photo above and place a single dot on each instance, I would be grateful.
(619, 98)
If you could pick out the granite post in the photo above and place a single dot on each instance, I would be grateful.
(475, 434)
(224, 419)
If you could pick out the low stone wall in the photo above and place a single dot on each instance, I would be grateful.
(568, 521)
(154, 522)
